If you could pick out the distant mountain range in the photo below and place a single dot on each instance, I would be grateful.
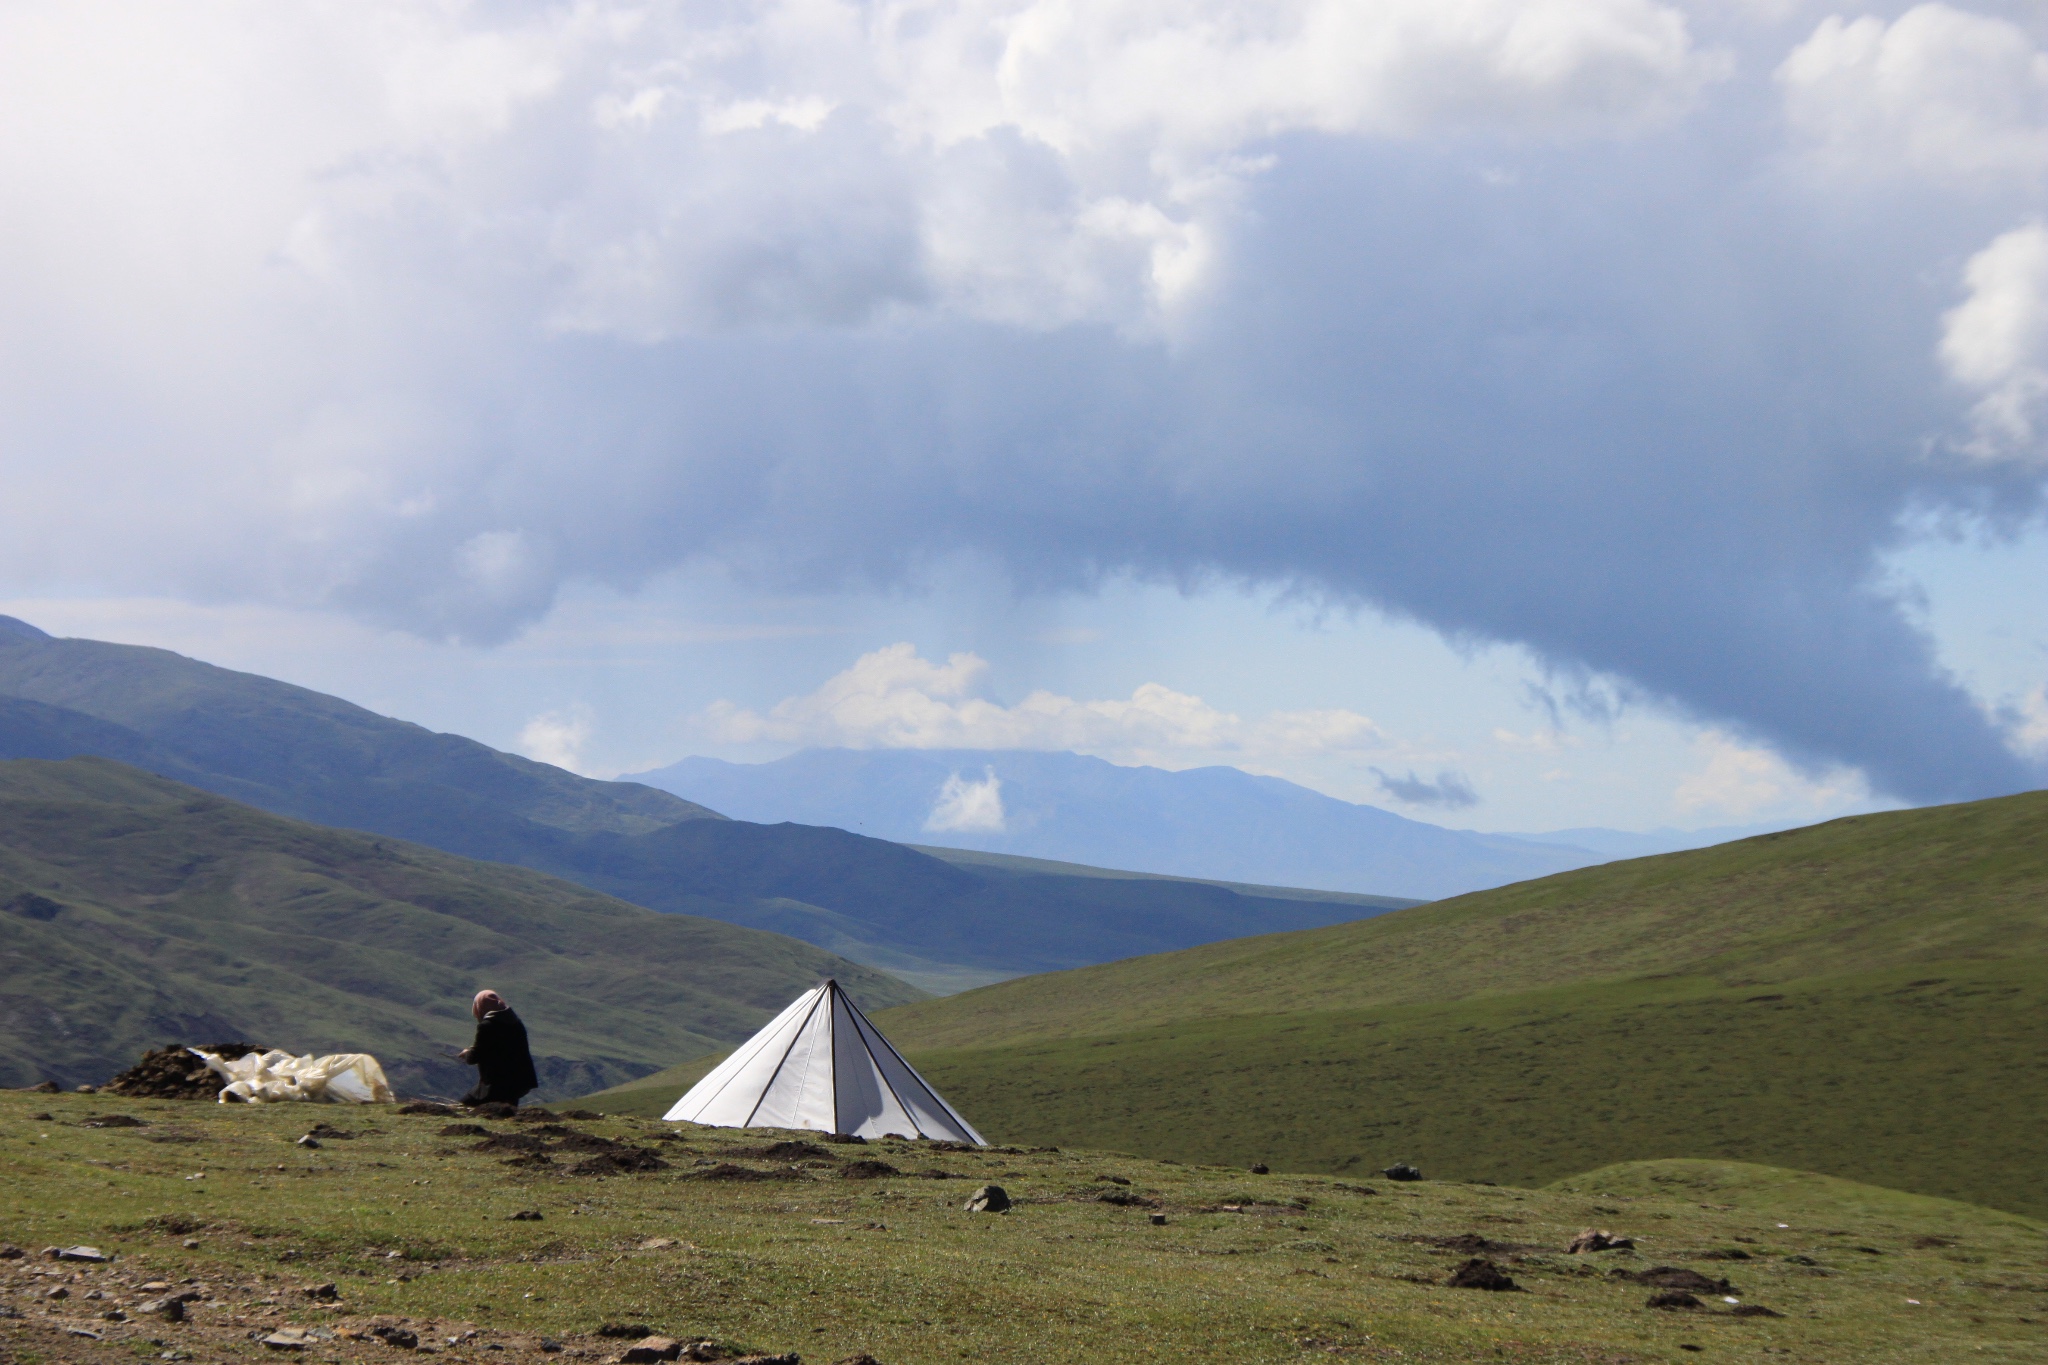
(1217, 823)
(940, 923)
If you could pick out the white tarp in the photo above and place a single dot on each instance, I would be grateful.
(279, 1078)
(820, 1064)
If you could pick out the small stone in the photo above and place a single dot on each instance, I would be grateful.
(81, 1253)
(1673, 1299)
(548, 1345)
(657, 1243)
(1401, 1170)
(88, 1090)
(1598, 1239)
(322, 1293)
(650, 1349)
(526, 1216)
(115, 1315)
(396, 1336)
(83, 1332)
(45, 1088)
(190, 1244)
(1260, 1168)
(289, 1339)
(170, 1310)
(60, 1292)
(988, 1199)
(309, 1141)
(1158, 1220)
(11, 1253)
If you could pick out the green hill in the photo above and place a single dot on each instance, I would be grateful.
(135, 911)
(1864, 998)
(942, 923)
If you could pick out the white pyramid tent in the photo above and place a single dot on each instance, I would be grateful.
(820, 1064)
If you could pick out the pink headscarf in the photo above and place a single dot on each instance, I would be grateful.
(486, 1002)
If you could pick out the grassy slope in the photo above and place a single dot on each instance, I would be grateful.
(1612, 1013)
(186, 917)
(1297, 1268)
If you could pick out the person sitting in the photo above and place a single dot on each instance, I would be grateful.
(503, 1064)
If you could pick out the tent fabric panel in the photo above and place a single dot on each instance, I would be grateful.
(931, 1116)
(725, 1097)
(866, 1108)
(799, 1095)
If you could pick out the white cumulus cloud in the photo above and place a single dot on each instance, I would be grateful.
(1739, 781)
(557, 737)
(1995, 343)
(964, 805)
(1940, 91)
(895, 699)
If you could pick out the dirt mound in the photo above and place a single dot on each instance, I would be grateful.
(1676, 1277)
(1124, 1199)
(867, 1170)
(623, 1161)
(785, 1151)
(510, 1142)
(1472, 1244)
(173, 1073)
(464, 1130)
(429, 1108)
(571, 1141)
(1673, 1299)
(1480, 1273)
(112, 1121)
(725, 1170)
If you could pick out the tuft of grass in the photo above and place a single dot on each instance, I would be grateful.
(415, 1230)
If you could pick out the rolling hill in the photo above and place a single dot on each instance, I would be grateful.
(1864, 998)
(1218, 823)
(297, 753)
(135, 911)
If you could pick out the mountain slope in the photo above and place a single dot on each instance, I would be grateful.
(1862, 998)
(298, 753)
(135, 911)
(1213, 823)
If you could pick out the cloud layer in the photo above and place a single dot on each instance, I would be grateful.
(1627, 331)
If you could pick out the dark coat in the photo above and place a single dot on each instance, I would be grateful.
(503, 1065)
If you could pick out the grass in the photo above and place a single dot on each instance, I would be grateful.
(1862, 998)
(1247, 1268)
(136, 912)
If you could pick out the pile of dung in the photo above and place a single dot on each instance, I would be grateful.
(173, 1073)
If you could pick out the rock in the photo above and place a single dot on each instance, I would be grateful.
(1401, 1170)
(296, 1338)
(88, 1090)
(1260, 1168)
(635, 1330)
(403, 1337)
(78, 1253)
(60, 1292)
(11, 1253)
(526, 1216)
(1598, 1239)
(650, 1349)
(190, 1244)
(170, 1310)
(83, 1332)
(1158, 1220)
(1673, 1299)
(988, 1199)
(1480, 1273)
(45, 1088)
(330, 1133)
(309, 1141)
(321, 1293)
(657, 1244)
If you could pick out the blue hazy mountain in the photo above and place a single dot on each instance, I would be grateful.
(1219, 823)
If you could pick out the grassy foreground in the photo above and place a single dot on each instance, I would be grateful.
(414, 1232)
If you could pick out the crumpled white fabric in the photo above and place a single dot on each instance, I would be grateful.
(278, 1077)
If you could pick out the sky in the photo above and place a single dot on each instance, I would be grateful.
(1522, 415)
